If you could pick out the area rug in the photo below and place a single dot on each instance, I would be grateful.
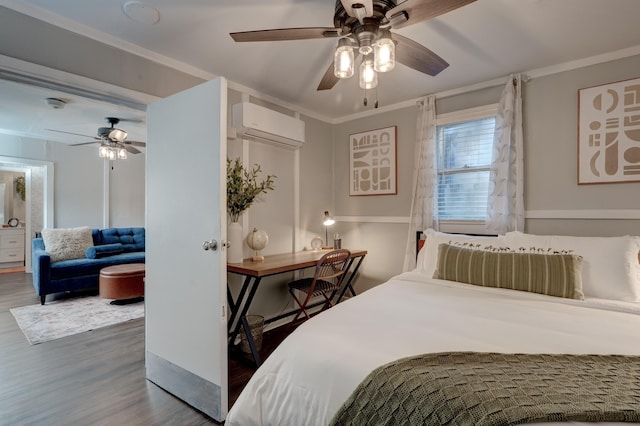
(63, 318)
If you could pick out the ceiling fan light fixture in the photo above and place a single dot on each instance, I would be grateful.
(103, 151)
(111, 154)
(384, 53)
(368, 76)
(117, 135)
(360, 11)
(122, 153)
(343, 62)
(365, 40)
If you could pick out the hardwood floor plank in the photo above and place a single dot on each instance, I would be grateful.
(91, 378)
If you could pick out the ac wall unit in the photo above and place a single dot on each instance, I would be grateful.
(257, 123)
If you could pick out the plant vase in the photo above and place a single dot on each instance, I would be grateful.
(234, 235)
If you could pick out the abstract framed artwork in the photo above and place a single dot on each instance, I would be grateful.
(372, 162)
(609, 133)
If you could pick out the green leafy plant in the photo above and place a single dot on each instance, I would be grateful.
(243, 187)
(21, 187)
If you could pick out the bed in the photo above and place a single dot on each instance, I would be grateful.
(316, 369)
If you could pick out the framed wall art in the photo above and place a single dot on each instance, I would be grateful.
(372, 162)
(609, 133)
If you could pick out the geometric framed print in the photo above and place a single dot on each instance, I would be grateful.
(609, 133)
(372, 162)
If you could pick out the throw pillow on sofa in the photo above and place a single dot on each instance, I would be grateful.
(104, 250)
(67, 243)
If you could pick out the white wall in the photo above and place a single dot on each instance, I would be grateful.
(79, 182)
(275, 212)
(126, 191)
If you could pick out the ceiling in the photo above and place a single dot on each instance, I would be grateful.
(482, 41)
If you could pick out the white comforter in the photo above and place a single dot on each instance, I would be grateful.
(308, 377)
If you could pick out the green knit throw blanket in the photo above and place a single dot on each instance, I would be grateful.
(492, 389)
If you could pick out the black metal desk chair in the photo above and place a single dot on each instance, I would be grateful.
(327, 279)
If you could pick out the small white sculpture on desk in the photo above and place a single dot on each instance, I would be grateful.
(257, 240)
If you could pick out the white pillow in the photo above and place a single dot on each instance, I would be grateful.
(428, 256)
(67, 243)
(610, 268)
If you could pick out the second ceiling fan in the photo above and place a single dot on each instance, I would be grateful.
(363, 28)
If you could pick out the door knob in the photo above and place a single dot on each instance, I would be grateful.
(210, 245)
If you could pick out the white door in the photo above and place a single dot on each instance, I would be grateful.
(185, 285)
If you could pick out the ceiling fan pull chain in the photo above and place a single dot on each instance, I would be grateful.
(365, 97)
(375, 105)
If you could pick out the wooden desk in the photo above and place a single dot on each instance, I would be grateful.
(273, 265)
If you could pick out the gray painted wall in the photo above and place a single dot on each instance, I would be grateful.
(551, 133)
(551, 149)
(50, 46)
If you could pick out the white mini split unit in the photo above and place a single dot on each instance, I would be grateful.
(260, 124)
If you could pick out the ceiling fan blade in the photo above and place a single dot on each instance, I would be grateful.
(418, 57)
(422, 10)
(135, 143)
(132, 149)
(286, 34)
(71, 133)
(350, 7)
(329, 79)
(83, 143)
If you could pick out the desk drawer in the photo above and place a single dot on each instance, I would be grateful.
(12, 255)
(11, 241)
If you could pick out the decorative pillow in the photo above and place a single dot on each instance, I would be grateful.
(67, 243)
(428, 256)
(551, 274)
(610, 268)
(104, 250)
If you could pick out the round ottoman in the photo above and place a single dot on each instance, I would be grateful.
(124, 283)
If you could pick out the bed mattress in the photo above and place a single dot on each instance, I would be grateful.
(316, 368)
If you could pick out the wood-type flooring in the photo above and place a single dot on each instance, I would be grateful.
(92, 378)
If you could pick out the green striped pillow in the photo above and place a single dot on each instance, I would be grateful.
(551, 274)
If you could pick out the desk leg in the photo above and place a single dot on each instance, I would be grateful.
(252, 343)
(235, 306)
(350, 280)
(245, 308)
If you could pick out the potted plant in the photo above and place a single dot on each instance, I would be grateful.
(243, 187)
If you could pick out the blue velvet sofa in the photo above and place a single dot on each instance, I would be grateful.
(112, 246)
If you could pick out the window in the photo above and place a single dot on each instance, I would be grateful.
(463, 150)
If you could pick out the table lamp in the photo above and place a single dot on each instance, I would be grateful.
(328, 221)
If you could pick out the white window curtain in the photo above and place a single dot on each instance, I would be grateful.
(505, 207)
(424, 202)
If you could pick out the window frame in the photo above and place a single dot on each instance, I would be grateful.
(470, 114)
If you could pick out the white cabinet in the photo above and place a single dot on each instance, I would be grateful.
(11, 247)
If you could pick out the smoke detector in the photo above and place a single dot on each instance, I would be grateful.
(56, 103)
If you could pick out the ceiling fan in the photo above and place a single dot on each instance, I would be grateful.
(113, 141)
(363, 28)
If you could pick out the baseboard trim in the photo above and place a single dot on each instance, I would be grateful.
(189, 387)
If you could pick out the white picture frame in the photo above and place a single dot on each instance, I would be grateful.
(609, 133)
(372, 162)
